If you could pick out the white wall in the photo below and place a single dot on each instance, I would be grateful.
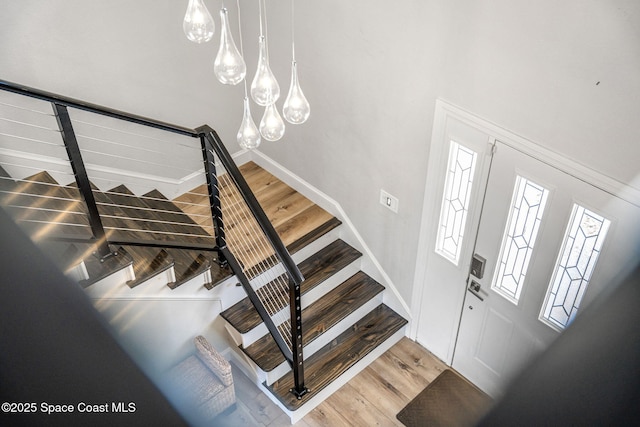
(372, 71)
(563, 74)
(128, 55)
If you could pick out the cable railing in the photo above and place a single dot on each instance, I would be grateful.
(87, 174)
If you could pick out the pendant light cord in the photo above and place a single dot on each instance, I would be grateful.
(263, 12)
(241, 45)
(260, 16)
(293, 45)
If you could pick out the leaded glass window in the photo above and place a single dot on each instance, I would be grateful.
(455, 203)
(577, 259)
(527, 207)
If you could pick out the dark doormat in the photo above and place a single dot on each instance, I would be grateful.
(449, 400)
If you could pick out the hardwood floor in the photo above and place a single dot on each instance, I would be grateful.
(281, 203)
(371, 398)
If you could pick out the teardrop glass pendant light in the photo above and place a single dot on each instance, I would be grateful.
(198, 24)
(248, 135)
(271, 125)
(229, 67)
(296, 108)
(264, 88)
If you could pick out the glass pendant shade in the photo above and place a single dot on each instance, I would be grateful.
(264, 88)
(198, 24)
(296, 108)
(229, 67)
(271, 125)
(248, 135)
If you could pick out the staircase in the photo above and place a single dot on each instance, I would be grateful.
(159, 246)
(344, 315)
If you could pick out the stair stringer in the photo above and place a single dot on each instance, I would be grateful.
(348, 232)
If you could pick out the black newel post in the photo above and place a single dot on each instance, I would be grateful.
(82, 179)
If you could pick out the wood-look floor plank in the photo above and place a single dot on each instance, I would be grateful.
(371, 385)
(418, 358)
(397, 372)
(362, 413)
(384, 396)
(326, 415)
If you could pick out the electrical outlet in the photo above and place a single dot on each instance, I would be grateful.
(389, 201)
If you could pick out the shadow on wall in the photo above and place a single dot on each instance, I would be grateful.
(58, 354)
(589, 376)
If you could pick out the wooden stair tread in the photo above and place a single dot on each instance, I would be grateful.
(315, 269)
(187, 264)
(198, 262)
(320, 316)
(44, 207)
(324, 366)
(99, 270)
(296, 220)
(158, 217)
(305, 227)
(156, 200)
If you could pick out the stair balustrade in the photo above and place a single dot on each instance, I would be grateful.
(105, 147)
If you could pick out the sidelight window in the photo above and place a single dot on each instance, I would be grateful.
(577, 259)
(455, 203)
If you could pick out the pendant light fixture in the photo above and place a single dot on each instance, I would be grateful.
(198, 24)
(264, 87)
(296, 108)
(248, 135)
(229, 66)
(271, 125)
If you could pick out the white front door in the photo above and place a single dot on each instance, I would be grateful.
(550, 243)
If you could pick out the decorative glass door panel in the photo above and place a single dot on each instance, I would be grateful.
(581, 246)
(541, 245)
(527, 208)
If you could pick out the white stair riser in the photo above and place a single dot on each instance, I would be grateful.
(78, 272)
(328, 285)
(315, 246)
(307, 299)
(111, 282)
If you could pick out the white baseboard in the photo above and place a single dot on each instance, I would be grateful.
(350, 234)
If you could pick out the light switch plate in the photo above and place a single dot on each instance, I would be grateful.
(389, 201)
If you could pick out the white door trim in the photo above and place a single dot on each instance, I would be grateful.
(431, 206)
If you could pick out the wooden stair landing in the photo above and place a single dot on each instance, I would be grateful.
(38, 200)
(297, 220)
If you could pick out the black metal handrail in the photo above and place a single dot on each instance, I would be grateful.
(294, 355)
(94, 108)
(211, 144)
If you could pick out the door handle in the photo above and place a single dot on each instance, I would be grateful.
(474, 288)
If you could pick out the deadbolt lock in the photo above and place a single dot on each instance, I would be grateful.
(477, 266)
